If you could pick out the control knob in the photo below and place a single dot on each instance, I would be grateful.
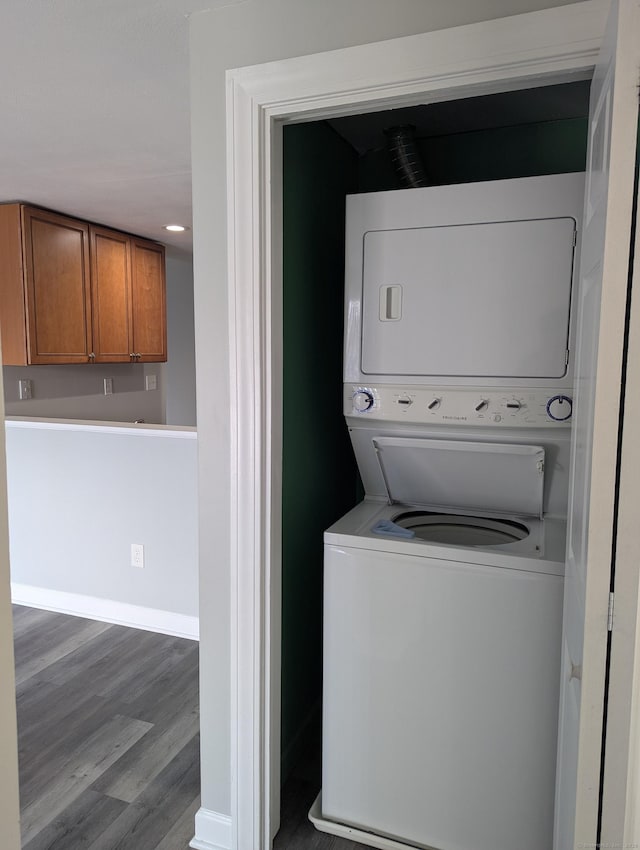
(559, 408)
(482, 405)
(435, 404)
(362, 401)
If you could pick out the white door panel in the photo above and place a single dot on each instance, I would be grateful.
(602, 294)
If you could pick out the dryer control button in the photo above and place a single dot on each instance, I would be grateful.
(559, 408)
(362, 401)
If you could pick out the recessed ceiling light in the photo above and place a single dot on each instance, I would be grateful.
(175, 228)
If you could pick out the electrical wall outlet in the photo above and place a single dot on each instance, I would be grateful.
(25, 389)
(137, 555)
(108, 386)
(150, 382)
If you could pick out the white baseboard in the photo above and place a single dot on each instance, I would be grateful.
(213, 831)
(106, 610)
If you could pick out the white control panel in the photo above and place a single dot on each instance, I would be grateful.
(491, 407)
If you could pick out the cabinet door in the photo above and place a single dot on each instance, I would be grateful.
(148, 301)
(13, 315)
(111, 296)
(56, 253)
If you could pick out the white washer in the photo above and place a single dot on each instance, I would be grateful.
(441, 650)
(441, 671)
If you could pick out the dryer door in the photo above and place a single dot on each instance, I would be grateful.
(487, 300)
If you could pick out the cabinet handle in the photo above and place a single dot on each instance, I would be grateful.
(92, 356)
(138, 356)
(132, 356)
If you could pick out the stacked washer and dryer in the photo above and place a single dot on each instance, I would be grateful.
(443, 588)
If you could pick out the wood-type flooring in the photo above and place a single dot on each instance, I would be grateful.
(109, 744)
(108, 735)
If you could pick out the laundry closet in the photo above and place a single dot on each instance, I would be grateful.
(501, 137)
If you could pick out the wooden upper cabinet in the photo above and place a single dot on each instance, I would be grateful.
(56, 275)
(71, 292)
(148, 297)
(111, 296)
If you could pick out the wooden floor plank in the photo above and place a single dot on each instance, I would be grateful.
(64, 725)
(82, 768)
(95, 692)
(158, 808)
(163, 655)
(28, 619)
(48, 631)
(77, 826)
(39, 658)
(94, 657)
(181, 832)
(132, 773)
(173, 691)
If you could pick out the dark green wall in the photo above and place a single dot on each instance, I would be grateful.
(319, 471)
(525, 150)
(320, 480)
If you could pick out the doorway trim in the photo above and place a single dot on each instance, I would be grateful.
(522, 51)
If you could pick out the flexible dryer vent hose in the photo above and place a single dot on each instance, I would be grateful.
(406, 159)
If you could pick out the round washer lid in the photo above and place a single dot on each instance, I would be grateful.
(462, 476)
(457, 530)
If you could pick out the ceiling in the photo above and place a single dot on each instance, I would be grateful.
(95, 110)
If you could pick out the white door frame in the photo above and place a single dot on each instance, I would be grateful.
(539, 48)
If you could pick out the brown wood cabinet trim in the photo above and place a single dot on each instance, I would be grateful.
(13, 315)
(149, 356)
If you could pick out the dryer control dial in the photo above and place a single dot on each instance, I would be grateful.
(362, 401)
(405, 401)
(559, 408)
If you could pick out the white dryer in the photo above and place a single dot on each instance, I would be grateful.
(466, 285)
(443, 588)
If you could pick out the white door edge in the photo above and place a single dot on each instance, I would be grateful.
(540, 48)
(621, 786)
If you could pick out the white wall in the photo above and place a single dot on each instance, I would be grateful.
(79, 498)
(180, 369)
(76, 392)
(247, 33)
